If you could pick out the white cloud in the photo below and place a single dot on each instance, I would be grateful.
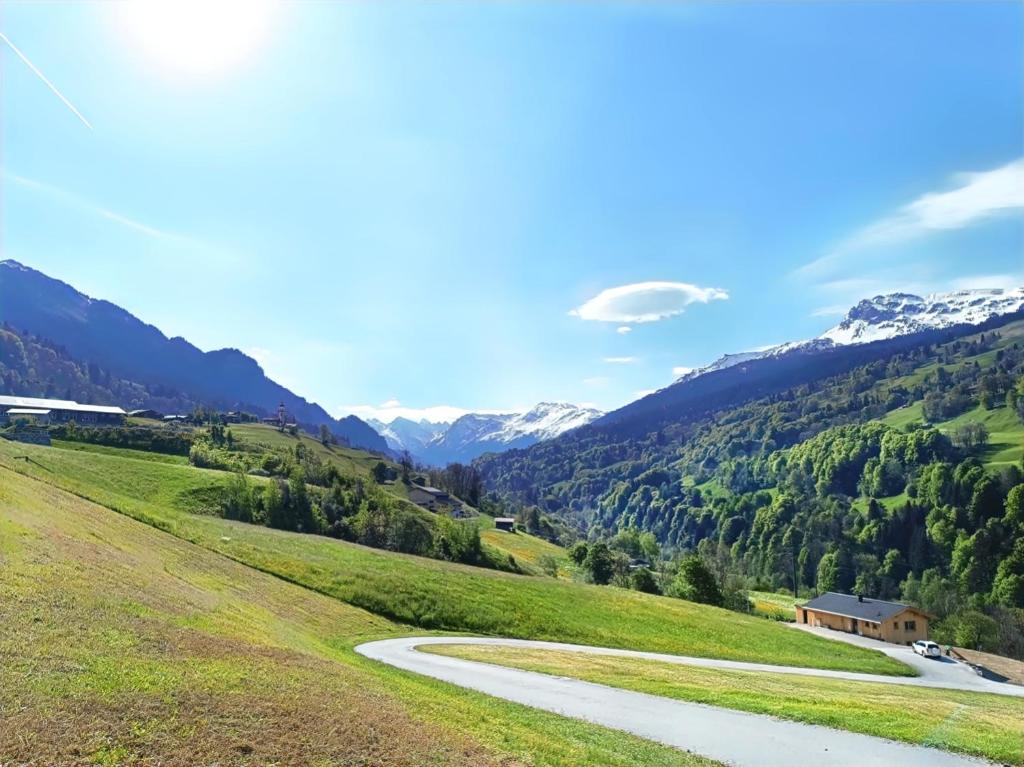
(620, 360)
(681, 370)
(392, 409)
(596, 381)
(645, 302)
(623, 329)
(643, 393)
(975, 197)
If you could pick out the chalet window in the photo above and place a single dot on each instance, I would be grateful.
(896, 625)
(910, 625)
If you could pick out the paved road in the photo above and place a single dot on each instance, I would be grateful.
(732, 737)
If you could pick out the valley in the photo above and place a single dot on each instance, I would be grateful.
(255, 560)
(235, 563)
(530, 384)
(257, 591)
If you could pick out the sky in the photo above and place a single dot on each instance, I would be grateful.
(431, 208)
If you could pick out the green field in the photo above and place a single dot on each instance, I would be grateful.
(125, 646)
(985, 725)
(427, 593)
(348, 460)
(527, 549)
(1006, 432)
(770, 604)
(142, 455)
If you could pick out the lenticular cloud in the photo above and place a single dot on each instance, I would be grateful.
(645, 301)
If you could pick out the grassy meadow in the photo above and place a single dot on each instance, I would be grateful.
(770, 604)
(431, 594)
(349, 460)
(980, 724)
(527, 549)
(1006, 432)
(125, 646)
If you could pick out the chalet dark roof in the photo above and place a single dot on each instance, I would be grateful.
(873, 610)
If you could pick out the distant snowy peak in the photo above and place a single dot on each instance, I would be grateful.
(406, 434)
(545, 421)
(890, 316)
(474, 434)
(898, 314)
(549, 419)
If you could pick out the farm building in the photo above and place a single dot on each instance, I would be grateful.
(508, 524)
(888, 621)
(34, 414)
(63, 411)
(154, 414)
(433, 499)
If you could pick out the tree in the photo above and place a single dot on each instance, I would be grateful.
(642, 579)
(406, 464)
(976, 631)
(1008, 586)
(695, 582)
(380, 472)
(970, 435)
(835, 571)
(274, 505)
(1014, 516)
(238, 501)
(325, 435)
(578, 552)
(599, 564)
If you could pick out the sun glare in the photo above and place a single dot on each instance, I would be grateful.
(196, 37)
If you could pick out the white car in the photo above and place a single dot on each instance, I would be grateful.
(927, 648)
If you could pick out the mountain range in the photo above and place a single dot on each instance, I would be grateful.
(158, 369)
(890, 316)
(97, 331)
(474, 434)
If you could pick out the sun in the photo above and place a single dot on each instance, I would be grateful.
(199, 38)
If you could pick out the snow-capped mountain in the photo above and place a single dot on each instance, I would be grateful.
(889, 316)
(406, 434)
(474, 434)
(898, 314)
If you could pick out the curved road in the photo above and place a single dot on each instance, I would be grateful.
(733, 737)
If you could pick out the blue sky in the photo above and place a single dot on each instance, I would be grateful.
(462, 205)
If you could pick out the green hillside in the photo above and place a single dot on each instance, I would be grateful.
(529, 551)
(902, 478)
(348, 460)
(1005, 444)
(123, 645)
(428, 593)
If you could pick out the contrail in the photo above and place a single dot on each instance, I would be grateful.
(42, 77)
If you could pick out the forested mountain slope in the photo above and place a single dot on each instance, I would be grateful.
(830, 483)
(31, 366)
(99, 332)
